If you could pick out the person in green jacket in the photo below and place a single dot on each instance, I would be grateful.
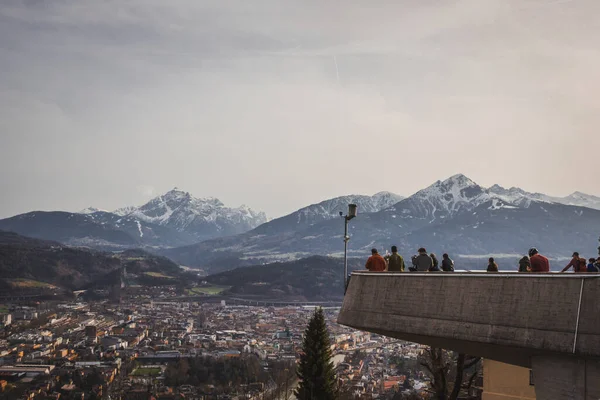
(395, 261)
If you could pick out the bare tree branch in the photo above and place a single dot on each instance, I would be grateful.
(428, 368)
(470, 380)
(472, 362)
(458, 378)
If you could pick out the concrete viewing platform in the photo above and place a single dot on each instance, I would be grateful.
(545, 321)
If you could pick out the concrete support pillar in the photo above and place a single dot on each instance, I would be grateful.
(568, 378)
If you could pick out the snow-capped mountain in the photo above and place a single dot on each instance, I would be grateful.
(455, 215)
(327, 210)
(512, 195)
(102, 230)
(91, 210)
(517, 195)
(443, 199)
(173, 219)
(383, 200)
(202, 218)
(582, 200)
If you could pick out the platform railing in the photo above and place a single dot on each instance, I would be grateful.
(484, 273)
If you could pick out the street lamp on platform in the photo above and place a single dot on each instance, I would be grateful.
(352, 209)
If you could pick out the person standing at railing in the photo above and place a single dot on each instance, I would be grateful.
(593, 266)
(578, 264)
(538, 262)
(376, 263)
(492, 266)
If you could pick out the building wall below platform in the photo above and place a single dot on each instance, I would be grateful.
(506, 382)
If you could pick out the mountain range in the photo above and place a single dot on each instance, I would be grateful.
(326, 210)
(173, 219)
(575, 199)
(456, 216)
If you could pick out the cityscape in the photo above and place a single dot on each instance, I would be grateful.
(126, 349)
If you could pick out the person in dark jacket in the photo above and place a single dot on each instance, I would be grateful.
(413, 262)
(447, 263)
(395, 261)
(492, 266)
(422, 262)
(524, 264)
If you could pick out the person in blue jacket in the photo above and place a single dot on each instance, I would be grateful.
(593, 265)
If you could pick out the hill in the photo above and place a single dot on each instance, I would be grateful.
(27, 262)
(309, 279)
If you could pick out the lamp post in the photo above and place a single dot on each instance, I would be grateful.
(352, 208)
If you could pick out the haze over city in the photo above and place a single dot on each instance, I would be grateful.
(278, 104)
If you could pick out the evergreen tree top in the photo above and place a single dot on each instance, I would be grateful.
(316, 372)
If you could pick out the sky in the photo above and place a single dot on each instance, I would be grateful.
(278, 104)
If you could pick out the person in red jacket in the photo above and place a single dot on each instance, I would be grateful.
(578, 264)
(376, 263)
(538, 262)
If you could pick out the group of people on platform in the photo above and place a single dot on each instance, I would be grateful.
(424, 262)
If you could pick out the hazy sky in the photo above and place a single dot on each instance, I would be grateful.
(107, 102)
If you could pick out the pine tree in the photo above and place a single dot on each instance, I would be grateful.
(315, 371)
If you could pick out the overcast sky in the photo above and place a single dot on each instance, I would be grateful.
(280, 103)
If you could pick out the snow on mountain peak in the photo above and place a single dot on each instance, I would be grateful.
(456, 189)
(444, 198)
(582, 196)
(176, 195)
(384, 200)
(91, 210)
(330, 208)
(512, 195)
(460, 180)
(519, 196)
(583, 200)
(386, 194)
(180, 210)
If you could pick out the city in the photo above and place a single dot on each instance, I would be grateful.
(127, 350)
